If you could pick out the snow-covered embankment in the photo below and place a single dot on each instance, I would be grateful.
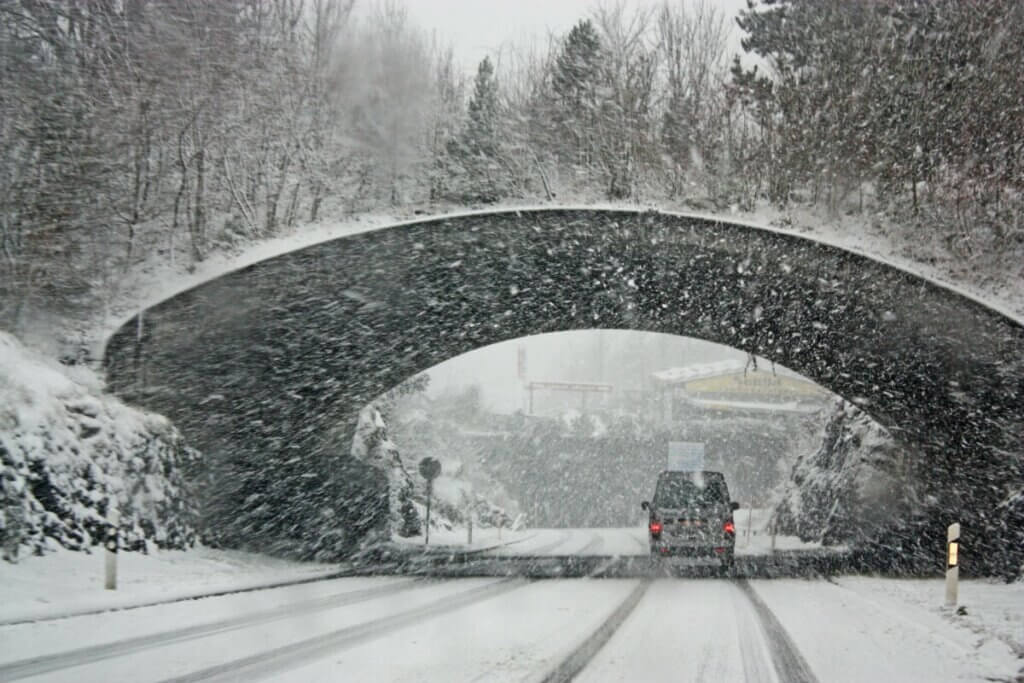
(68, 451)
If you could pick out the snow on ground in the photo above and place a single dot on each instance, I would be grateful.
(66, 582)
(994, 609)
(850, 629)
(458, 538)
(623, 541)
(863, 629)
(686, 631)
(41, 639)
(180, 657)
(516, 636)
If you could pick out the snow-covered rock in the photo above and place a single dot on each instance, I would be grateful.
(371, 445)
(850, 487)
(68, 453)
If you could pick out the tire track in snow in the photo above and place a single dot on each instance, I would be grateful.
(540, 550)
(87, 655)
(548, 547)
(789, 663)
(185, 598)
(267, 664)
(581, 656)
(592, 546)
(754, 645)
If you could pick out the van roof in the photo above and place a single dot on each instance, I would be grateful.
(687, 473)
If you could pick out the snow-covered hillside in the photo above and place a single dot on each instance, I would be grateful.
(68, 451)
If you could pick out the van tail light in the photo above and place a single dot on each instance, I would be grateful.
(655, 528)
(729, 527)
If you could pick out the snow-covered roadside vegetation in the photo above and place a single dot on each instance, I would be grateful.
(851, 486)
(463, 495)
(139, 146)
(69, 454)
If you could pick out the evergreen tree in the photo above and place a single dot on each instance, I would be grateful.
(411, 524)
(481, 173)
(481, 137)
(575, 84)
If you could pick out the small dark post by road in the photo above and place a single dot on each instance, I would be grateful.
(429, 469)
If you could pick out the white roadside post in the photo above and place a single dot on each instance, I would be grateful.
(113, 518)
(952, 563)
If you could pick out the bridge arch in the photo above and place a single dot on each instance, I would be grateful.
(270, 356)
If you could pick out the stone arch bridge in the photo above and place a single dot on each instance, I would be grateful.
(270, 358)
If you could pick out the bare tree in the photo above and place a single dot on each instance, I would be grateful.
(625, 138)
(692, 44)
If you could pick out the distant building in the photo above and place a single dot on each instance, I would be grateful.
(734, 387)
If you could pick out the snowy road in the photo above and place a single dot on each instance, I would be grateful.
(578, 542)
(513, 629)
(614, 542)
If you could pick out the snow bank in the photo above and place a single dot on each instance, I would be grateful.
(990, 610)
(869, 629)
(67, 583)
(67, 451)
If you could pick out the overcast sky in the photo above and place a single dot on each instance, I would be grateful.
(478, 28)
(623, 358)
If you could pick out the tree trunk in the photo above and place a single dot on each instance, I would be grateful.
(314, 207)
(198, 224)
(274, 196)
(293, 206)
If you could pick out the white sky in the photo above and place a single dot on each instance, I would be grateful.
(478, 28)
(623, 358)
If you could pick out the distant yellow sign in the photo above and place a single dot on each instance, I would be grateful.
(753, 384)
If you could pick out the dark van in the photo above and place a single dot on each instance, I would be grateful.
(691, 516)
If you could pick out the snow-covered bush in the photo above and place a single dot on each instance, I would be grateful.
(67, 452)
(371, 445)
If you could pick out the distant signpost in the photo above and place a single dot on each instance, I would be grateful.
(429, 470)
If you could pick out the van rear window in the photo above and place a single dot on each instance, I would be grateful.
(677, 492)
